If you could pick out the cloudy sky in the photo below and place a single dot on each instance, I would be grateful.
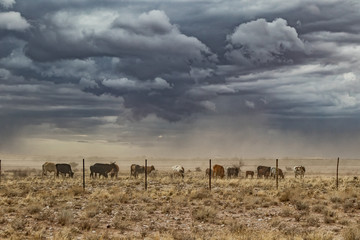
(246, 78)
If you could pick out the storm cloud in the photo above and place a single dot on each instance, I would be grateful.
(162, 77)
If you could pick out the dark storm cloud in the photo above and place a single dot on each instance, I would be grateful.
(7, 3)
(107, 33)
(77, 65)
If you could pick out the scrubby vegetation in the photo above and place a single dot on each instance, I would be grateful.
(35, 207)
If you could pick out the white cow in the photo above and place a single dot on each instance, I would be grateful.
(178, 170)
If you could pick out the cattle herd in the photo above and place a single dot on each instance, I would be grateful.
(218, 171)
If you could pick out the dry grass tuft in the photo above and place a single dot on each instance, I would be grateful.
(65, 217)
(204, 214)
(199, 194)
(352, 233)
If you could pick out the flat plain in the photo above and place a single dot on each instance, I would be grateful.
(45, 207)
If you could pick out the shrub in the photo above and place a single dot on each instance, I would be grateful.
(34, 208)
(286, 212)
(335, 199)
(18, 224)
(285, 195)
(65, 217)
(348, 205)
(205, 214)
(237, 228)
(85, 225)
(352, 233)
(313, 221)
(318, 208)
(199, 194)
(300, 205)
(120, 223)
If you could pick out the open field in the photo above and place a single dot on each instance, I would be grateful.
(33, 207)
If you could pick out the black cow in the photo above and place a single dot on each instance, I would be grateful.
(263, 171)
(232, 171)
(102, 169)
(64, 169)
(135, 169)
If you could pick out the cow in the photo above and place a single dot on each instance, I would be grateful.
(136, 169)
(48, 167)
(218, 171)
(299, 171)
(178, 171)
(273, 172)
(263, 171)
(149, 169)
(103, 169)
(249, 173)
(64, 169)
(207, 172)
(115, 171)
(232, 171)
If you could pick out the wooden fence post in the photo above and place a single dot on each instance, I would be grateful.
(145, 174)
(277, 173)
(84, 174)
(337, 174)
(210, 174)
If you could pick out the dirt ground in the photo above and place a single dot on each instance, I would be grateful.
(35, 207)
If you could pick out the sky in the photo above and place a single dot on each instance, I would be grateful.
(244, 78)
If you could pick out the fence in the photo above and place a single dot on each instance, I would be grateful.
(210, 174)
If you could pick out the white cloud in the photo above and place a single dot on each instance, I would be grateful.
(209, 105)
(250, 104)
(263, 42)
(13, 21)
(87, 83)
(4, 73)
(199, 74)
(150, 23)
(131, 85)
(350, 76)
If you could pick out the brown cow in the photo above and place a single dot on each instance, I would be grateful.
(263, 171)
(207, 172)
(136, 169)
(49, 167)
(249, 173)
(218, 171)
(150, 169)
(115, 171)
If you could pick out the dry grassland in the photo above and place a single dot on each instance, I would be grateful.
(33, 207)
